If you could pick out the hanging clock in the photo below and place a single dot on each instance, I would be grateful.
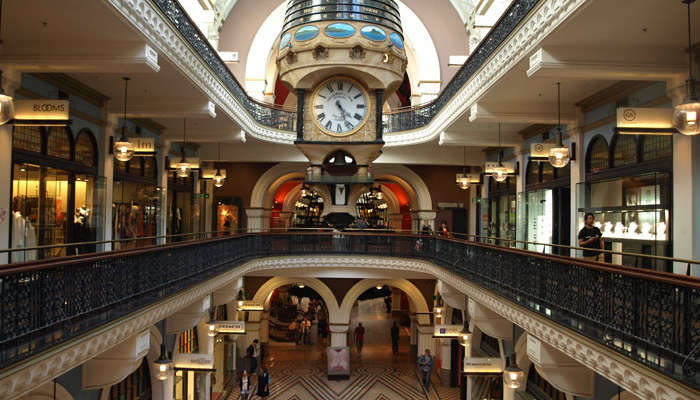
(340, 106)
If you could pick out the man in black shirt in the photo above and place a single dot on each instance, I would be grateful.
(590, 238)
(395, 338)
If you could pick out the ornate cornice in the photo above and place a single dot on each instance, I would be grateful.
(547, 16)
(145, 16)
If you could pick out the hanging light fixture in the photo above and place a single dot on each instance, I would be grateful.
(500, 172)
(123, 148)
(218, 178)
(162, 364)
(183, 167)
(559, 154)
(211, 325)
(513, 377)
(7, 105)
(685, 114)
(462, 180)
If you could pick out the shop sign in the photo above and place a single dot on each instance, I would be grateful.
(143, 145)
(194, 162)
(534, 349)
(204, 195)
(483, 365)
(448, 331)
(245, 305)
(42, 110)
(230, 326)
(540, 151)
(143, 343)
(644, 120)
(489, 167)
(194, 361)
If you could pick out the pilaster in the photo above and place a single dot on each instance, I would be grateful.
(11, 80)
(578, 175)
(106, 170)
(162, 224)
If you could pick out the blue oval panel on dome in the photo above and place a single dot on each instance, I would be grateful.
(286, 38)
(375, 33)
(340, 30)
(306, 33)
(396, 39)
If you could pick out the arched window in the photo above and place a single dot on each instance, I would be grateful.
(533, 173)
(655, 147)
(598, 157)
(59, 142)
(624, 150)
(135, 166)
(86, 148)
(149, 167)
(26, 138)
(547, 172)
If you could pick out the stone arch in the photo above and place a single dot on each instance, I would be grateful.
(295, 194)
(415, 187)
(270, 181)
(324, 291)
(424, 63)
(414, 296)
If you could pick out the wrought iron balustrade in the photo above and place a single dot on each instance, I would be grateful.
(652, 317)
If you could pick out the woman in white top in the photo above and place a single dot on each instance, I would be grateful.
(245, 385)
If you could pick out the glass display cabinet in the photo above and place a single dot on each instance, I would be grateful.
(633, 213)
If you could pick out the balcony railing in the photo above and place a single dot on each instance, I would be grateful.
(402, 120)
(652, 317)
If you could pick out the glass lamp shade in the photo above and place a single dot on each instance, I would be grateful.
(7, 109)
(211, 331)
(162, 365)
(183, 168)
(462, 182)
(123, 149)
(559, 156)
(500, 174)
(685, 117)
(513, 377)
(218, 179)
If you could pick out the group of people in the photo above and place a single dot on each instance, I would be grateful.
(300, 329)
(251, 362)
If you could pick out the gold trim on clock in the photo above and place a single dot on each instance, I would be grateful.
(360, 125)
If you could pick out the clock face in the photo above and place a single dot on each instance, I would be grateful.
(339, 106)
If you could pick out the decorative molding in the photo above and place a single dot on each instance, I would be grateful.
(158, 30)
(547, 16)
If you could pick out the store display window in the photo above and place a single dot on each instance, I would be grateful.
(308, 209)
(226, 219)
(183, 215)
(56, 199)
(136, 202)
(503, 210)
(373, 209)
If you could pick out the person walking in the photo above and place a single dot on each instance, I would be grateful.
(244, 383)
(257, 352)
(425, 364)
(359, 337)
(589, 237)
(263, 383)
(395, 338)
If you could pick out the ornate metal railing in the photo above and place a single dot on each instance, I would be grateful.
(265, 114)
(652, 317)
(420, 116)
(403, 120)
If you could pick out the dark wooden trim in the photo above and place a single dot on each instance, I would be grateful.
(28, 157)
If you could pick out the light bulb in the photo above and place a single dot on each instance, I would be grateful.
(218, 181)
(7, 109)
(685, 118)
(500, 174)
(212, 330)
(123, 150)
(559, 156)
(513, 377)
(379, 286)
(301, 286)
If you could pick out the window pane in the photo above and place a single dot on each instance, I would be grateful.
(85, 150)
(625, 151)
(655, 147)
(598, 157)
(26, 138)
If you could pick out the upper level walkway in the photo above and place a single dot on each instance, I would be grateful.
(583, 308)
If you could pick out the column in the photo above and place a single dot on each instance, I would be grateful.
(106, 170)
(414, 335)
(265, 327)
(208, 212)
(339, 335)
(686, 202)
(521, 228)
(258, 219)
(206, 346)
(445, 360)
(425, 339)
(162, 225)
(417, 218)
(300, 114)
(197, 212)
(578, 175)
(11, 80)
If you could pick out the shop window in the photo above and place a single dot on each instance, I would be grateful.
(136, 386)
(598, 156)
(373, 209)
(655, 147)
(188, 342)
(547, 172)
(624, 150)
(533, 173)
(308, 209)
(58, 144)
(149, 168)
(135, 166)
(86, 149)
(27, 138)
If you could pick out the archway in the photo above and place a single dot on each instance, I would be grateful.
(261, 296)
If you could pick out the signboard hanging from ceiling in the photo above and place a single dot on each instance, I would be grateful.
(644, 121)
(40, 112)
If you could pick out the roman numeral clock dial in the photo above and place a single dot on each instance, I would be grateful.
(339, 106)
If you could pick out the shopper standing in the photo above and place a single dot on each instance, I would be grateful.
(425, 363)
(359, 337)
(244, 383)
(590, 238)
(264, 383)
(395, 338)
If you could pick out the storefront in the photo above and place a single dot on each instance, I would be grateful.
(628, 189)
(373, 209)
(136, 201)
(56, 192)
(308, 209)
(546, 210)
(502, 209)
(182, 207)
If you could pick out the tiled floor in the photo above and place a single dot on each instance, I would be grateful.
(299, 372)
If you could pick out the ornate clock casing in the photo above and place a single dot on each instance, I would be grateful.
(340, 106)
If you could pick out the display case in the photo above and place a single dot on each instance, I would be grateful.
(633, 214)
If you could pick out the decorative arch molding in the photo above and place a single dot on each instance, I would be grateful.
(269, 182)
(414, 295)
(324, 291)
(413, 184)
(262, 54)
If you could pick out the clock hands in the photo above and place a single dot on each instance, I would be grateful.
(337, 103)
